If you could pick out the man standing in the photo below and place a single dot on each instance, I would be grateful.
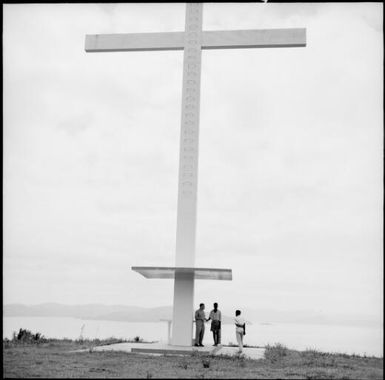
(240, 327)
(200, 319)
(215, 316)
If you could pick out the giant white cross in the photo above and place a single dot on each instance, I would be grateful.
(192, 41)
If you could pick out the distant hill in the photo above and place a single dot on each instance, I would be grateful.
(94, 311)
(90, 311)
(143, 314)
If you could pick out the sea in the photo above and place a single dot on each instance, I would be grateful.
(357, 340)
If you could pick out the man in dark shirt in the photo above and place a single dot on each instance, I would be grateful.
(215, 316)
(200, 319)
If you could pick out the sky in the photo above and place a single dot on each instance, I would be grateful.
(290, 188)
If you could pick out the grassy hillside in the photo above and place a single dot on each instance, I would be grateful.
(56, 359)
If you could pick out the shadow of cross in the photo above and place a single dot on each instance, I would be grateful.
(192, 40)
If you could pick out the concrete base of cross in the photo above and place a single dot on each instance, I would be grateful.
(183, 309)
(166, 349)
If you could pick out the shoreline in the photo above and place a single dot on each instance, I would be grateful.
(338, 339)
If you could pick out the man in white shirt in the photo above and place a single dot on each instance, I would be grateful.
(240, 325)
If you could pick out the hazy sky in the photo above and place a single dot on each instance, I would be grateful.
(290, 166)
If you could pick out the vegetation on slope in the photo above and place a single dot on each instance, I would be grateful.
(28, 355)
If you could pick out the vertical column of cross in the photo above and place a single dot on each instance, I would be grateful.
(188, 162)
(182, 327)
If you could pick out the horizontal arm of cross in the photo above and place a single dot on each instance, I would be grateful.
(231, 39)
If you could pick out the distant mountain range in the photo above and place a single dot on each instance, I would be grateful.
(142, 314)
(94, 311)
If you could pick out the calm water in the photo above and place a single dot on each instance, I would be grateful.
(331, 338)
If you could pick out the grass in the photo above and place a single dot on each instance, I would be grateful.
(55, 359)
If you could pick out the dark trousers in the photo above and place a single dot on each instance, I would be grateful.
(216, 329)
(217, 336)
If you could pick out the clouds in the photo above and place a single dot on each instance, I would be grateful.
(289, 188)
